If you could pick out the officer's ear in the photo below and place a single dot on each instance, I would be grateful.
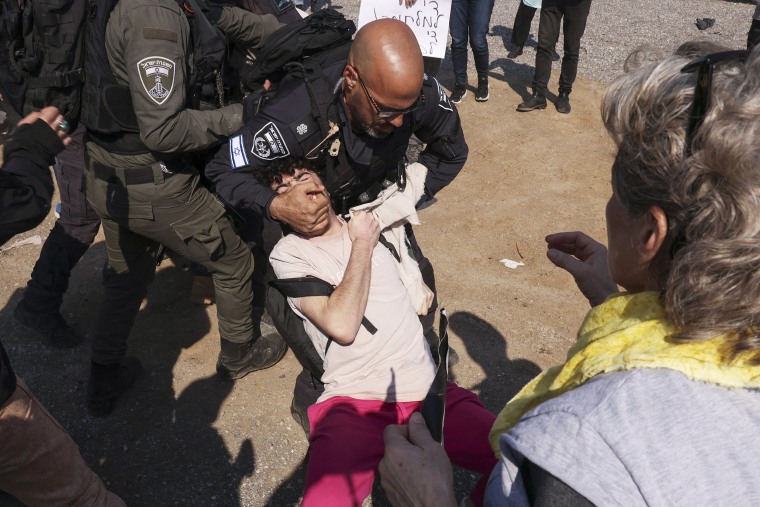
(349, 75)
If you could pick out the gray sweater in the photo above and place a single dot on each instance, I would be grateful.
(642, 437)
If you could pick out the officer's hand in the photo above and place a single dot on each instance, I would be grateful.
(303, 207)
(364, 229)
(53, 118)
(585, 259)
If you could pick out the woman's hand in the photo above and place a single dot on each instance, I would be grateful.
(585, 259)
(53, 118)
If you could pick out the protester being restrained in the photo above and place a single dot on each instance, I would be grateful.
(372, 379)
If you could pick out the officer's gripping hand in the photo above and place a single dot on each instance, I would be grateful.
(303, 207)
(585, 259)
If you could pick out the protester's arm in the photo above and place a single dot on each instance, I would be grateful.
(340, 315)
(415, 470)
(586, 260)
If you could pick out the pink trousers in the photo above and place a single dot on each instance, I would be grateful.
(347, 445)
(39, 462)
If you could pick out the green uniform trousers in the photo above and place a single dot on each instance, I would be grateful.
(176, 211)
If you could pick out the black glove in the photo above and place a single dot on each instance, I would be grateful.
(36, 142)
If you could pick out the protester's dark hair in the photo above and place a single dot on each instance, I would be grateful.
(710, 194)
(273, 172)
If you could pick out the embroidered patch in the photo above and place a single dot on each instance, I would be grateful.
(238, 158)
(157, 76)
(304, 128)
(443, 99)
(268, 143)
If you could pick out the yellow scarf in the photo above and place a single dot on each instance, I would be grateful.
(628, 331)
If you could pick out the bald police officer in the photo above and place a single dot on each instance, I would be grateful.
(147, 195)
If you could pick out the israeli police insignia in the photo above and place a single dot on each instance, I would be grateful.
(268, 143)
(157, 77)
(443, 99)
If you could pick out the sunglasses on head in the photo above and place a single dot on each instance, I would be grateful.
(704, 66)
(386, 112)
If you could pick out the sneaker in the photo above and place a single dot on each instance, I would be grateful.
(236, 360)
(51, 327)
(481, 94)
(563, 103)
(536, 101)
(517, 51)
(108, 382)
(460, 92)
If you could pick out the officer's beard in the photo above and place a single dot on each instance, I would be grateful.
(367, 129)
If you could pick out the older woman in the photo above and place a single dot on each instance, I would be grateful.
(658, 402)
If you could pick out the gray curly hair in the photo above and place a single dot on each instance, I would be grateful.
(710, 194)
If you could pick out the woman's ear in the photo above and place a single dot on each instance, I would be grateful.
(653, 231)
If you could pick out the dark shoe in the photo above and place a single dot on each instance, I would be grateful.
(563, 103)
(305, 394)
(460, 92)
(555, 55)
(236, 360)
(108, 382)
(51, 327)
(515, 52)
(536, 101)
(481, 94)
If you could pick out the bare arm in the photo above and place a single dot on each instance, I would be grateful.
(340, 315)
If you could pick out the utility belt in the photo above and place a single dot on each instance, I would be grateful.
(153, 173)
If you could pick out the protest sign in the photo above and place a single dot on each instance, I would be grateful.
(428, 19)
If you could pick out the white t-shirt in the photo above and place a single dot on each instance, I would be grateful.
(395, 363)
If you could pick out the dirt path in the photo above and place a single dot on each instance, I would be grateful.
(184, 438)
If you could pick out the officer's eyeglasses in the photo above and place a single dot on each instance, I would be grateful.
(704, 66)
(386, 112)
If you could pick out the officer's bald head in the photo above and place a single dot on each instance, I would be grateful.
(389, 56)
(386, 59)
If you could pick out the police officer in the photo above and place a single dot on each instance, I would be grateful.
(381, 97)
(147, 195)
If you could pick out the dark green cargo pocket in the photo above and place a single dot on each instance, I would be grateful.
(202, 228)
(119, 206)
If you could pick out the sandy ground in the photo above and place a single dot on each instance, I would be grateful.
(184, 438)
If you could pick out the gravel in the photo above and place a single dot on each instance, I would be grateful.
(614, 29)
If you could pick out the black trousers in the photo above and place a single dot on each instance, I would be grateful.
(573, 15)
(523, 20)
(70, 238)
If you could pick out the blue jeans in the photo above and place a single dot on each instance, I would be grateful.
(469, 21)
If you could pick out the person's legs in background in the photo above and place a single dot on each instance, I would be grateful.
(548, 28)
(574, 25)
(71, 236)
(479, 19)
(459, 27)
(521, 28)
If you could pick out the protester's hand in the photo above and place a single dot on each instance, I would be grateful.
(427, 301)
(303, 207)
(585, 259)
(415, 470)
(53, 118)
(408, 3)
(364, 228)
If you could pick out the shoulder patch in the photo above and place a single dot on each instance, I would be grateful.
(238, 158)
(443, 99)
(268, 143)
(157, 77)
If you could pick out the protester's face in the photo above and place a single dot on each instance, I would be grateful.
(299, 177)
(374, 110)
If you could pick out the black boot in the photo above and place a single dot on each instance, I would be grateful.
(51, 327)
(563, 102)
(305, 394)
(517, 51)
(108, 382)
(536, 101)
(236, 360)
